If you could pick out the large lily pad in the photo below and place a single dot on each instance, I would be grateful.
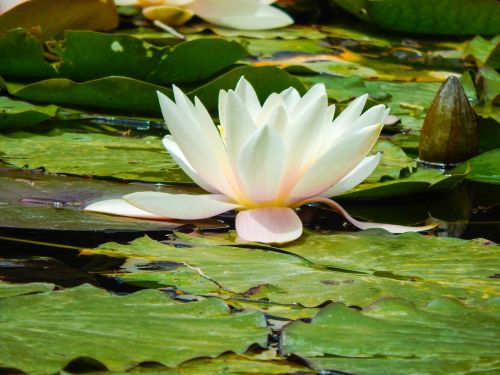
(396, 337)
(251, 274)
(42, 333)
(94, 154)
(412, 256)
(85, 55)
(10, 290)
(131, 95)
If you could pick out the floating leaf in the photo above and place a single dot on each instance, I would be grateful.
(394, 336)
(16, 113)
(95, 154)
(92, 323)
(54, 16)
(410, 256)
(484, 52)
(85, 55)
(127, 94)
(251, 274)
(420, 181)
(486, 167)
(10, 290)
(451, 17)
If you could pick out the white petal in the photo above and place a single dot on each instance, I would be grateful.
(270, 225)
(6, 5)
(304, 135)
(238, 125)
(200, 143)
(375, 115)
(343, 122)
(247, 93)
(180, 159)
(270, 104)
(336, 163)
(291, 97)
(261, 164)
(278, 119)
(355, 177)
(260, 18)
(180, 206)
(120, 207)
(222, 106)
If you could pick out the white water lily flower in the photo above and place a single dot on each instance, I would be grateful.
(236, 14)
(264, 161)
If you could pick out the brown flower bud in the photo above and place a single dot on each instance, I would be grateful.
(449, 134)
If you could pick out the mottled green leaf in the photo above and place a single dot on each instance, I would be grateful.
(77, 151)
(396, 337)
(42, 333)
(270, 274)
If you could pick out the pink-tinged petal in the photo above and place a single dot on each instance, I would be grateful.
(247, 93)
(335, 164)
(270, 225)
(199, 142)
(261, 164)
(180, 206)
(120, 207)
(181, 160)
(393, 228)
(238, 15)
(362, 171)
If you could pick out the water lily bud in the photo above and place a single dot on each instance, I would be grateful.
(449, 134)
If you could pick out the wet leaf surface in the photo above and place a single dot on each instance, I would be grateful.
(90, 322)
(394, 336)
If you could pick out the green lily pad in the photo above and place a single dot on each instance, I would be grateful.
(94, 154)
(396, 337)
(131, 95)
(451, 17)
(393, 164)
(11, 290)
(86, 55)
(16, 113)
(287, 33)
(410, 256)
(111, 93)
(420, 181)
(250, 274)
(486, 167)
(483, 51)
(342, 89)
(95, 324)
